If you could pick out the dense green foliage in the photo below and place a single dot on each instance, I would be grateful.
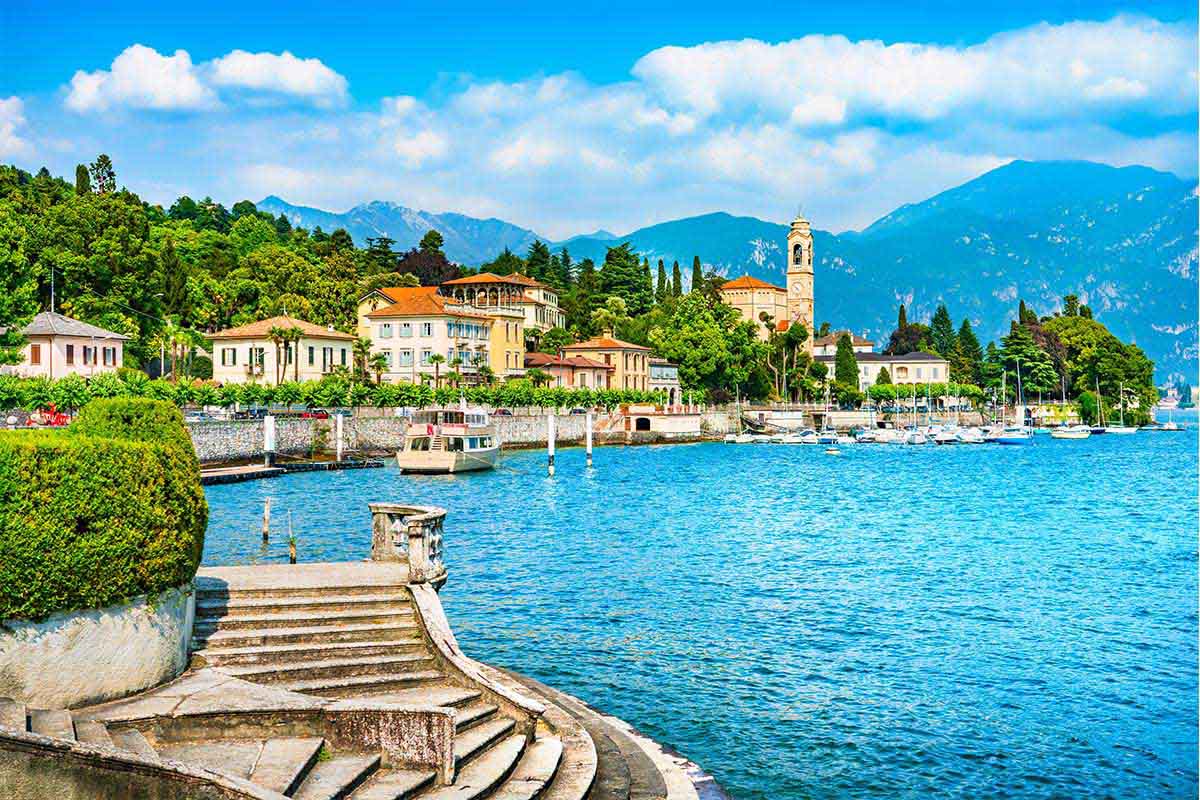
(101, 512)
(891, 392)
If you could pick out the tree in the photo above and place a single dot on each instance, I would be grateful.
(612, 313)
(1020, 351)
(647, 281)
(538, 377)
(506, 263)
(676, 281)
(277, 336)
(104, 177)
(845, 365)
(714, 347)
(554, 340)
(431, 242)
(697, 273)
(968, 356)
(18, 288)
(537, 260)
(941, 332)
(431, 268)
(175, 294)
(661, 292)
(437, 359)
(912, 338)
(1071, 305)
(378, 364)
(622, 277)
(884, 378)
(824, 330)
(83, 181)
(901, 319)
(1026, 315)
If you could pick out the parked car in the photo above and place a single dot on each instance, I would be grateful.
(315, 413)
(578, 411)
(501, 412)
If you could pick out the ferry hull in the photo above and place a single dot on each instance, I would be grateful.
(444, 462)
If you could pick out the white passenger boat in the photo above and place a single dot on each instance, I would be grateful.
(1071, 432)
(971, 436)
(449, 440)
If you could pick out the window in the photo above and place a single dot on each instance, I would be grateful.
(312, 360)
(70, 354)
(35, 354)
(228, 357)
(405, 358)
(406, 329)
(343, 356)
(934, 373)
(110, 356)
(918, 372)
(258, 356)
(387, 357)
(583, 379)
(426, 354)
(326, 358)
(427, 329)
(385, 330)
(89, 355)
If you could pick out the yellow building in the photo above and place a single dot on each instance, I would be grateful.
(537, 301)
(630, 362)
(753, 298)
(246, 354)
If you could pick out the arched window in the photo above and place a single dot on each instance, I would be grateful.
(797, 253)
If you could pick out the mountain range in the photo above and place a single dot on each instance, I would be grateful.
(1123, 239)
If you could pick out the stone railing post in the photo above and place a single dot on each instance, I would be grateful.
(410, 534)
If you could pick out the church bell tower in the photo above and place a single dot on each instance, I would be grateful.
(800, 277)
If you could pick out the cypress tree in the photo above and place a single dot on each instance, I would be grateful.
(676, 280)
(697, 273)
(970, 354)
(624, 277)
(902, 319)
(845, 364)
(647, 280)
(884, 378)
(942, 332)
(660, 293)
(83, 181)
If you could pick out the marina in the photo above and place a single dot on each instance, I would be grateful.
(892, 623)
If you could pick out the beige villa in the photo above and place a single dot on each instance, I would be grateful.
(827, 345)
(57, 345)
(246, 354)
(906, 369)
(630, 362)
(574, 372)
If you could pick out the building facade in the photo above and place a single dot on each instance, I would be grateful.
(664, 377)
(827, 345)
(752, 298)
(420, 324)
(630, 362)
(537, 302)
(248, 354)
(907, 369)
(575, 372)
(57, 345)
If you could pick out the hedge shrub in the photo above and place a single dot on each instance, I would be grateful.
(107, 510)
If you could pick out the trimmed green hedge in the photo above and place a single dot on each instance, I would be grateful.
(107, 510)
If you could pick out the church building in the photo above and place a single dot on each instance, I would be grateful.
(753, 297)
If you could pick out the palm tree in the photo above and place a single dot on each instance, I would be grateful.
(377, 363)
(538, 377)
(278, 336)
(487, 374)
(294, 335)
(453, 378)
(437, 359)
(362, 355)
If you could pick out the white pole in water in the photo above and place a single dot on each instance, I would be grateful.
(589, 439)
(267, 520)
(550, 444)
(268, 439)
(339, 437)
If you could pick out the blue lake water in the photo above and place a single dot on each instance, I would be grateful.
(894, 622)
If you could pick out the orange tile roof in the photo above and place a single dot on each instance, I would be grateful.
(604, 343)
(748, 282)
(491, 277)
(262, 329)
(421, 301)
(576, 362)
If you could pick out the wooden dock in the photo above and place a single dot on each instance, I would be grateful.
(253, 472)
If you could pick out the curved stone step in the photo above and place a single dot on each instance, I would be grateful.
(305, 634)
(132, 741)
(486, 771)
(91, 731)
(331, 668)
(336, 778)
(392, 784)
(534, 772)
(472, 741)
(354, 685)
(428, 695)
(391, 615)
(285, 761)
(55, 723)
(236, 757)
(293, 653)
(473, 714)
(316, 604)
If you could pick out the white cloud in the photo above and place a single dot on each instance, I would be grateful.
(12, 118)
(419, 148)
(141, 77)
(283, 73)
(1045, 71)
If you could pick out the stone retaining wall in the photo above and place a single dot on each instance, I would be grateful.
(85, 657)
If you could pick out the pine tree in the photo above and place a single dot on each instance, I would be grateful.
(566, 274)
(537, 260)
(676, 280)
(942, 332)
(970, 355)
(845, 363)
(431, 242)
(697, 273)
(83, 182)
(660, 293)
(623, 276)
(902, 319)
(104, 177)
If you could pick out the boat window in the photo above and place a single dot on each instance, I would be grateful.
(454, 444)
(485, 441)
(473, 443)
(420, 443)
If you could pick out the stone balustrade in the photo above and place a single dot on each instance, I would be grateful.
(410, 534)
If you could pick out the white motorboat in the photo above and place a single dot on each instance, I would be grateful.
(844, 438)
(867, 436)
(1015, 434)
(744, 438)
(827, 436)
(759, 438)
(945, 437)
(1071, 432)
(806, 436)
(971, 436)
(449, 440)
(731, 438)
(916, 437)
(1120, 430)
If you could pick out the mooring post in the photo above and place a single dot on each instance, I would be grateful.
(291, 540)
(267, 520)
(589, 439)
(550, 444)
(268, 439)
(338, 426)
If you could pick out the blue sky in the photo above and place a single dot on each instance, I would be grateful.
(613, 115)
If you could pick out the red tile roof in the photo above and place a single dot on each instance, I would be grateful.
(832, 338)
(604, 343)
(575, 362)
(262, 329)
(491, 277)
(748, 282)
(421, 301)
